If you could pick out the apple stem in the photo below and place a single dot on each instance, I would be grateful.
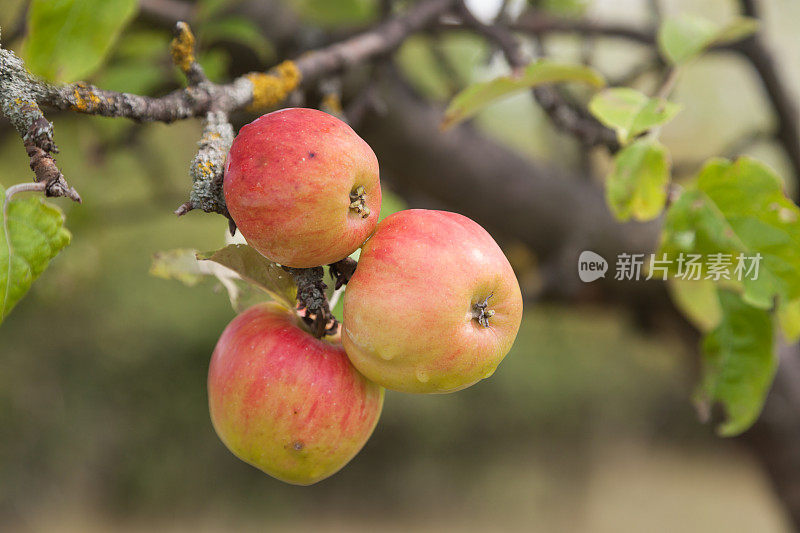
(481, 313)
(358, 201)
(311, 299)
(342, 271)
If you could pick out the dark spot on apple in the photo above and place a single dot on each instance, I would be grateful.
(311, 154)
(298, 445)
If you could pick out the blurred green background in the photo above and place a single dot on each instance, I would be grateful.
(587, 426)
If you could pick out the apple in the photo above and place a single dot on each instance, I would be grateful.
(433, 305)
(302, 187)
(285, 402)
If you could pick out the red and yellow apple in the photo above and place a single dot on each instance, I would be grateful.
(302, 187)
(433, 305)
(285, 402)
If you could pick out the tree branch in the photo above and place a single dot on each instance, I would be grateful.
(574, 120)
(539, 23)
(255, 90)
(21, 94)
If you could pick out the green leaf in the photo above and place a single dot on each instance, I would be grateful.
(789, 319)
(180, 264)
(68, 39)
(738, 364)
(698, 302)
(637, 186)
(183, 265)
(740, 208)
(32, 234)
(238, 30)
(257, 270)
(681, 39)
(477, 96)
(630, 112)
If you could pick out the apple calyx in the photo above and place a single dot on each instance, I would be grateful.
(358, 202)
(481, 313)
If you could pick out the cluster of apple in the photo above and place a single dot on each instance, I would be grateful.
(432, 307)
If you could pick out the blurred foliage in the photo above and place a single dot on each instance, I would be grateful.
(564, 8)
(238, 30)
(140, 62)
(67, 40)
(338, 13)
(683, 38)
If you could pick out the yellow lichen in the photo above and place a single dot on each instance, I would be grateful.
(332, 104)
(210, 136)
(24, 106)
(182, 47)
(205, 169)
(85, 99)
(273, 87)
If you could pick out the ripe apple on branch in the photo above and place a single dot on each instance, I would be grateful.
(433, 305)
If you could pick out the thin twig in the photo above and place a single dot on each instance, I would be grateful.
(24, 187)
(577, 121)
